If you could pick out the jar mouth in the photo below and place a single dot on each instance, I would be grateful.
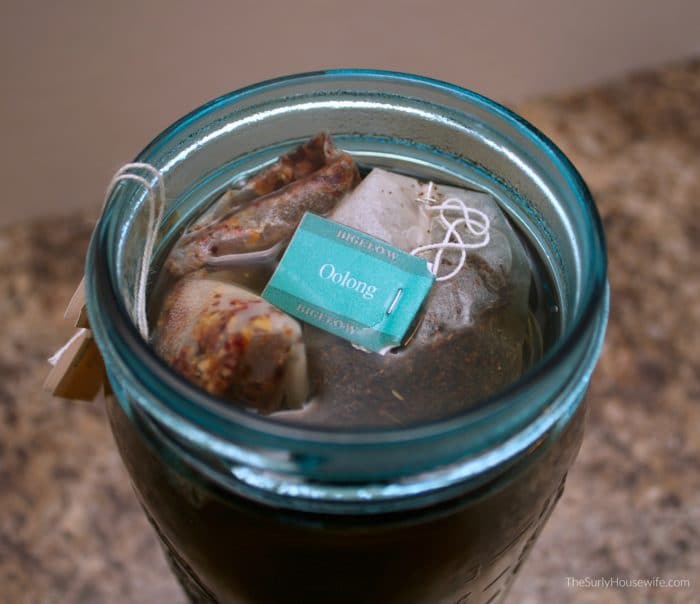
(165, 391)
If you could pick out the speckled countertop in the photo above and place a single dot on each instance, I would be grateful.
(71, 530)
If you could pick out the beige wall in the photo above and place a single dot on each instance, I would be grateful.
(86, 83)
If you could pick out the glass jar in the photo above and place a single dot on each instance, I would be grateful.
(252, 511)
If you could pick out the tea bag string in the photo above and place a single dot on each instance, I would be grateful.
(453, 214)
(56, 356)
(156, 206)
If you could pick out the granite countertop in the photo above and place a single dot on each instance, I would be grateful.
(72, 532)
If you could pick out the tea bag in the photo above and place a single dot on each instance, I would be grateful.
(253, 223)
(232, 343)
(295, 165)
(407, 214)
(493, 274)
(384, 205)
(469, 342)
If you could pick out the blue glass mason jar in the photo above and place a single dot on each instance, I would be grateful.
(251, 511)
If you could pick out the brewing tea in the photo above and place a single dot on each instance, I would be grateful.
(481, 326)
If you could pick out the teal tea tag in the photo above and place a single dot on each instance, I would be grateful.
(350, 284)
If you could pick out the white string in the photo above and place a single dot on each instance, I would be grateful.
(53, 359)
(156, 207)
(452, 214)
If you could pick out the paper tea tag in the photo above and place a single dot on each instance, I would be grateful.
(350, 284)
(76, 312)
(78, 372)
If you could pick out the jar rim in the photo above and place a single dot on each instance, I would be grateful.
(194, 405)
